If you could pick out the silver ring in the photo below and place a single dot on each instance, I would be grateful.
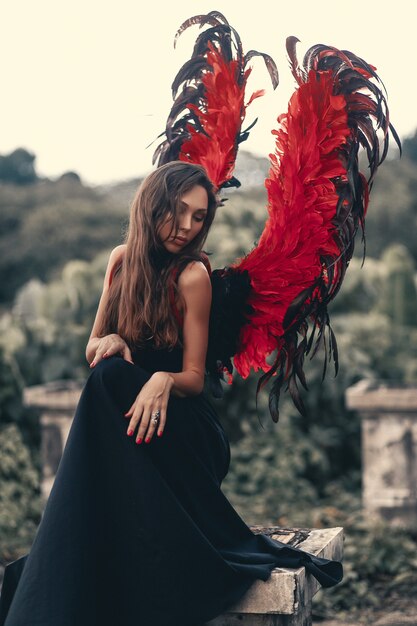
(155, 416)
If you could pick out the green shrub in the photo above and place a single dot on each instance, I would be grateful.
(20, 503)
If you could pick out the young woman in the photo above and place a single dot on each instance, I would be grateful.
(136, 531)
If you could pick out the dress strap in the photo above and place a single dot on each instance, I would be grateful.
(206, 261)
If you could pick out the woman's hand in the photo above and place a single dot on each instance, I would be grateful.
(109, 345)
(153, 396)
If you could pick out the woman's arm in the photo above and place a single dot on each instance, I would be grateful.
(195, 286)
(94, 342)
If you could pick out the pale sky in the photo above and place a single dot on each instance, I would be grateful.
(86, 84)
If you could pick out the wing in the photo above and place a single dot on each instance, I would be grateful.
(204, 124)
(317, 199)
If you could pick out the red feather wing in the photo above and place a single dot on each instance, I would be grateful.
(317, 198)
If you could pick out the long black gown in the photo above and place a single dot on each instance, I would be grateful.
(141, 534)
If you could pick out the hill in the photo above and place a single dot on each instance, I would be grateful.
(45, 223)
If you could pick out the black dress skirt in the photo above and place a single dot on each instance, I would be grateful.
(141, 534)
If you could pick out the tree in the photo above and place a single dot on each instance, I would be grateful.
(18, 167)
(410, 147)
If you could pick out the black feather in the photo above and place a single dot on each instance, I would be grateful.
(226, 39)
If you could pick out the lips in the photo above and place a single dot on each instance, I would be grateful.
(179, 240)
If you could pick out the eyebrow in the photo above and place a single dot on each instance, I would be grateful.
(186, 204)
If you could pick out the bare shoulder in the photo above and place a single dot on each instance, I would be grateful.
(194, 276)
(195, 287)
(118, 252)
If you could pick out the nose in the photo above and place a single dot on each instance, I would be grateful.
(185, 222)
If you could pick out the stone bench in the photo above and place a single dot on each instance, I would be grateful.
(285, 599)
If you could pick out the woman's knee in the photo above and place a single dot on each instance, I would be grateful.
(115, 373)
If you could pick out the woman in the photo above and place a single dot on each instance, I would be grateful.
(136, 531)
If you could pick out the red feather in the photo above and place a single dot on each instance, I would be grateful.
(317, 198)
(302, 203)
(204, 125)
(224, 109)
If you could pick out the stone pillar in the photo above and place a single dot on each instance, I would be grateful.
(56, 402)
(389, 449)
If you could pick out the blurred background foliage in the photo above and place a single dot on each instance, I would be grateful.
(55, 238)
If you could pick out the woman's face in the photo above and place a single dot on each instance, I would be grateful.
(192, 211)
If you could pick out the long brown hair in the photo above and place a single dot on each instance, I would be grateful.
(139, 307)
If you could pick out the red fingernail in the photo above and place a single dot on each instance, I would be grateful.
(130, 432)
(159, 434)
(147, 440)
(139, 440)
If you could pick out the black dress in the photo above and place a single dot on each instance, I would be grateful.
(141, 534)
